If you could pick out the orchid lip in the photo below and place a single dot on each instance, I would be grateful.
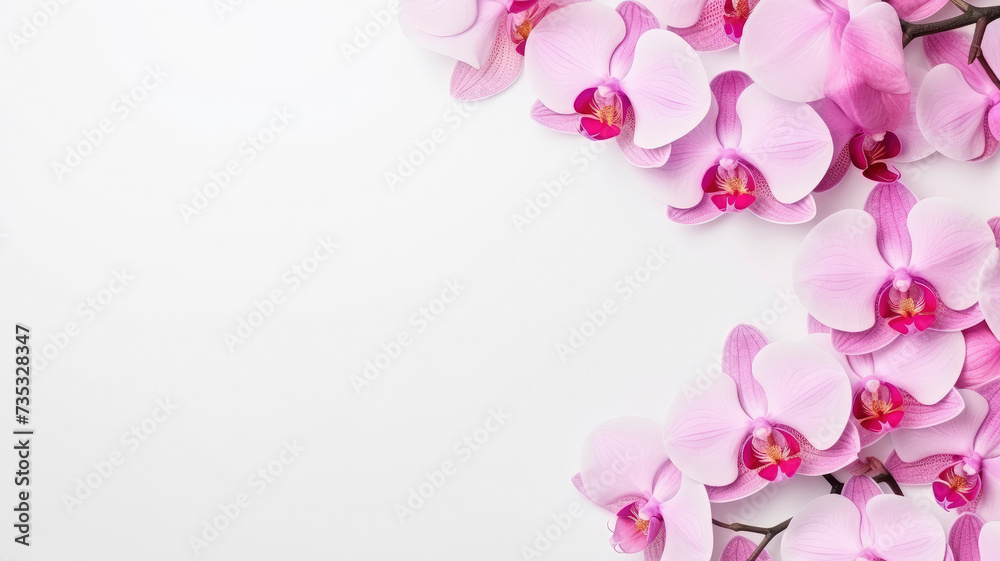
(909, 310)
(878, 406)
(775, 456)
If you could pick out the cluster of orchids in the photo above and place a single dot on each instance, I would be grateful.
(903, 300)
(824, 87)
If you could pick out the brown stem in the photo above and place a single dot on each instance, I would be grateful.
(836, 487)
(888, 479)
(768, 533)
(971, 15)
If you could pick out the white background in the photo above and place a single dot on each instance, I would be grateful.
(494, 348)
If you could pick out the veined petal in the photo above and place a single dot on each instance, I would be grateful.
(919, 415)
(838, 271)
(989, 499)
(570, 50)
(982, 356)
(925, 364)
(915, 146)
(788, 142)
(924, 538)
(951, 114)
(623, 457)
(740, 549)
(950, 245)
(639, 157)
(498, 71)
(806, 389)
(915, 10)
(668, 88)
(890, 204)
(690, 158)
(473, 44)
(952, 47)
(569, 123)
(676, 13)
(804, 43)
(727, 89)
(638, 20)
(989, 539)
(989, 290)
(872, 49)
(742, 345)
(688, 521)
(440, 17)
(705, 430)
(703, 212)
(767, 207)
(826, 529)
(954, 437)
(964, 537)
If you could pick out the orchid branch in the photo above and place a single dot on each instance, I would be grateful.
(971, 15)
(888, 479)
(768, 533)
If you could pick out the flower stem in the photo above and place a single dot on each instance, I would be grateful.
(836, 487)
(888, 479)
(768, 533)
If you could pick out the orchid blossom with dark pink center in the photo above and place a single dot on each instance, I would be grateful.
(852, 53)
(863, 524)
(781, 410)
(909, 383)
(973, 539)
(959, 458)
(657, 510)
(957, 107)
(615, 74)
(752, 151)
(897, 267)
(487, 37)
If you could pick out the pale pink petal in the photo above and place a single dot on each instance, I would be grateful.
(868, 341)
(914, 145)
(727, 89)
(989, 539)
(472, 45)
(838, 171)
(814, 326)
(919, 415)
(568, 123)
(920, 472)
(806, 389)
(951, 114)
(500, 69)
(964, 537)
(740, 549)
(687, 518)
(825, 529)
(804, 44)
(837, 457)
(621, 458)
(988, 438)
(708, 33)
(988, 505)
(742, 345)
(890, 204)
(989, 290)
(952, 47)
(787, 142)
(570, 50)
(950, 245)
(946, 319)
(859, 490)
(842, 128)
(769, 208)
(705, 430)
(636, 156)
(668, 88)
(982, 357)
(703, 212)
(956, 436)
(440, 17)
(993, 121)
(638, 20)
(926, 364)
(838, 271)
(747, 483)
(676, 13)
(654, 551)
(915, 10)
(924, 538)
(690, 158)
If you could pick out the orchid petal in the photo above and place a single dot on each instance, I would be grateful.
(805, 43)
(639, 157)
(964, 537)
(742, 345)
(471, 45)
(499, 71)
(924, 538)
(860, 490)
(926, 364)
(868, 341)
(703, 212)
(668, 88)
(920, 472)
(950, 245)
(806, 389)
(915, 10)
(956, 437)
(440, 17)
(982, 357)
(688, 521)
(989, 290)
(826, 529)
(951, 114)
(890, 204)
(705, 430)
(839, 456)
(989, 538)
(769, 208)
(952, 48)
(915, 145)
(676, 13)
(838, 271)
(947, 319)
(740, 549)
(727, 89)
(919, 415)
(638, 20)
(747, 483)
(690, 157)
(567, 123)
(622, 458)
(787, 142)
(570, 51)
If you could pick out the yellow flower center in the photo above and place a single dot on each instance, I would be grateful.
(525, 29)
(907, 307)
(735, 185)
(607, 114)
(642, 525)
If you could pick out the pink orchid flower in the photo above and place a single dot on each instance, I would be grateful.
(982, 357)
(916, 10)
(720, 25)
(899, 266)
(960, 458)
(972, 539)
(851, 54)
(486, 36)
(906, 384)
(657, 510)
(752, 151)
(782, 409)
(863, 524)
(614, 74)
(957, 105)
(740, 549)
